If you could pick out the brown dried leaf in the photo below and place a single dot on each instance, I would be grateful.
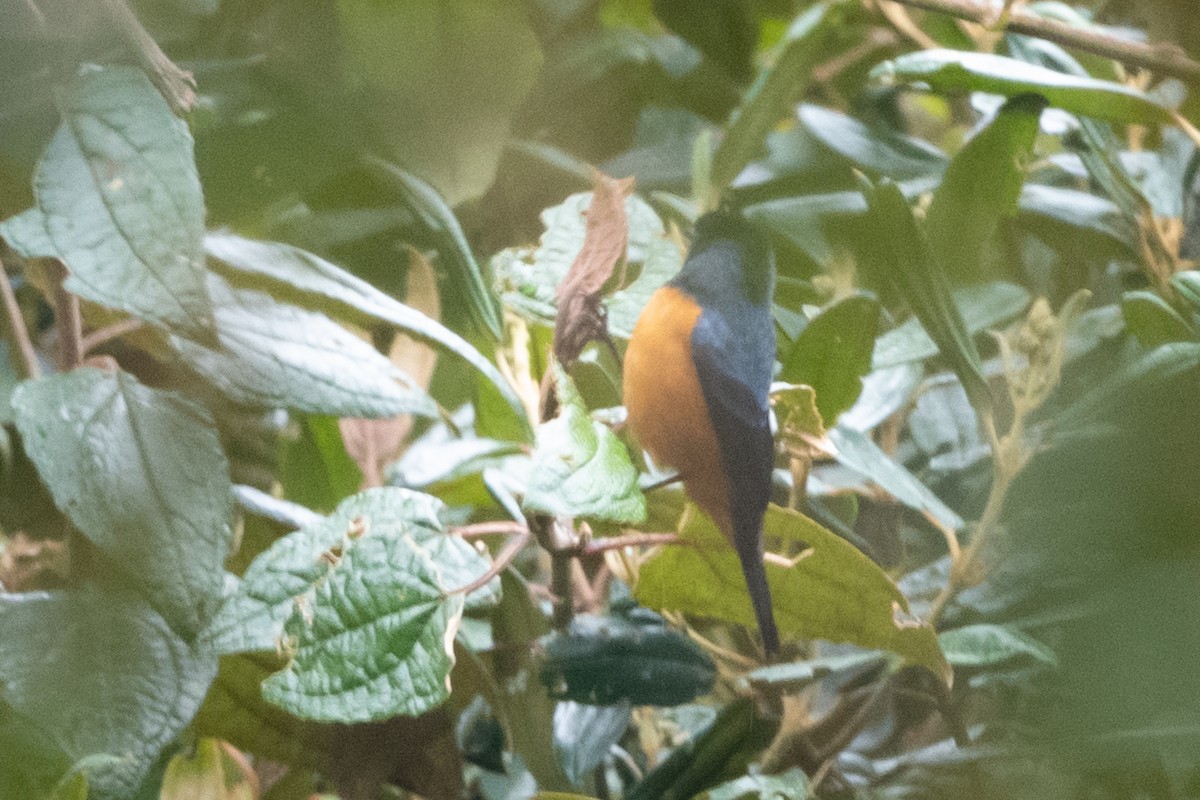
(30, 565)
(374, 443)
(580, 318)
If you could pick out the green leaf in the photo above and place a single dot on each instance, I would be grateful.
(141, 473)
(235, 711)
(424, 201)
(947, 70)
(8, 383)
(981, 186)
(833, 592)
(726, 747)
(314, 468)
(984, 645)
(983, 306)
(196, 776)
(634, 659)
(100, 673)
(898, 252)
(274, 354)
(528, 279)
(856, 451)
(833, 353)
(877, 150)
(580, 468)
(584, 734)
(119, 201)
(287, 573)
(1152, 320)
(791, 785)
(1057, 214)
(72, 787)
(1187, 284)
(776, 88)
(795, 676)
(278, 267)
(374, 639)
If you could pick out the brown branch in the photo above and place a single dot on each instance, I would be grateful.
(1165, 58)
(632, 540)
(496, 528)
(19, 330)
(177, 86)
(499, 563)
(68, 318)
(108, 333)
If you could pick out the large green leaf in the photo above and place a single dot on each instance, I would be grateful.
(877, 150)
(234, 710)
(833, 353)
(898, 252)
(1152, 320)
(287, 573)
(832, 592)
(726, 747)
(100, 673)
(855, 450)
(375, 638)
(945, 70)
(141, 473)
(270, 353)
(768, 99)
(429, 207)
(580, 468)
(985, 645)
(982, 306)
(585, 734)
(633, 659)
(363, 604)
(528, 278)
(791, 785)
(981, 186)
(279, 267)
(119, 201)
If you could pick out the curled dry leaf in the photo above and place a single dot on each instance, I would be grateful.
(580, 318)
(374, 443)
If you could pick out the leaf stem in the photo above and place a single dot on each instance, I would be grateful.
(176, 85)
(1164, 58)
(69, 320)
(632, 540)
(108, 333)
(20, 331)
(515, 545)
(494, 528)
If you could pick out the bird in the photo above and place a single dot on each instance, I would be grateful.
(697, 374)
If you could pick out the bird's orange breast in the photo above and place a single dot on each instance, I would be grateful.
(667, 411)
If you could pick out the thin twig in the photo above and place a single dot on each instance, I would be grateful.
(633, 540)
(499, 563)
(19, 330)
(1164, 58)
(110, 332)
(496, 528)
(69, 320)
(177, 86)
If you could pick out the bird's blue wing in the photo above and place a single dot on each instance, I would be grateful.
(734, 364)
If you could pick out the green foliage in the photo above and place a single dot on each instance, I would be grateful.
(981, 544)
(119, 202)
(946, 70)
(634, 659)
(141, 474)
(832, 591)
(580, 468)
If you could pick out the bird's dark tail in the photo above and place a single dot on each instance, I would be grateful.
(750, 553)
